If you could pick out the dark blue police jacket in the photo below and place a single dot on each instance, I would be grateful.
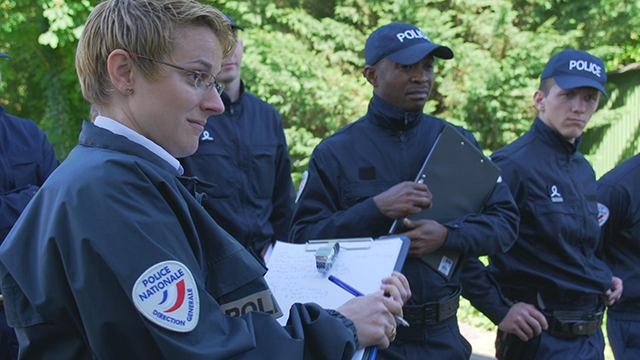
(109, 213)
(555, 189)
(244, 153)
(26, 160)
(384, 148)
(619, 192)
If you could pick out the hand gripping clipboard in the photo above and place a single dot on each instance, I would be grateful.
(461, 179)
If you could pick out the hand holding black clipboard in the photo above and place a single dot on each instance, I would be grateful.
(461, 179)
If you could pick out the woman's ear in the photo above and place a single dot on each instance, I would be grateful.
(120, 68)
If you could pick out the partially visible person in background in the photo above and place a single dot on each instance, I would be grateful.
(619, 218)
(243, 161)
(26, 160)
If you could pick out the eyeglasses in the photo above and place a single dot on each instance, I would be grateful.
(203, 80)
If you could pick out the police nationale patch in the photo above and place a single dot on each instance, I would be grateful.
(603, 214)
(167, 295)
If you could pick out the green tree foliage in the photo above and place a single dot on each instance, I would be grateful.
(306, 56)
(40, 81)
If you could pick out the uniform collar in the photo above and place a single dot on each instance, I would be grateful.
(554, 139)
(120, 129)
(227, 101)
(389, 116)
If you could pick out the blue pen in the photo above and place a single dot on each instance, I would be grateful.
(345, 286)
(374, 349)
(355, 292)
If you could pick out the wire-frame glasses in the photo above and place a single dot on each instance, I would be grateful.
(203, 80)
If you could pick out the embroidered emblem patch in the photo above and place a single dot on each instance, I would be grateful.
(554, 194)
(167, 295)
(206, 136)
(603, 214)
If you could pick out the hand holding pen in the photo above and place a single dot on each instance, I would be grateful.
(370, 311)
(354, 292)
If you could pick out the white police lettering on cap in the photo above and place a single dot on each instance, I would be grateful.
(167, 295)
(603, 214)
(584, 65)
(412, 34)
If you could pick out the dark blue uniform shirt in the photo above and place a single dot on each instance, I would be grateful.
(26, 160)
(555, 254)
(386, 147)
(71, 266)
(244, 153)
(619, 192)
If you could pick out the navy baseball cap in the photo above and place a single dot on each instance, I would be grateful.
(572, 69)
(233, 23)
(402, 43)
(4, 55)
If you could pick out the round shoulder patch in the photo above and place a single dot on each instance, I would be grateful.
(603, 214)
(167, 295)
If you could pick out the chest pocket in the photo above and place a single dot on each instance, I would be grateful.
(566, 219)
(18, 309)
(263, 171)
(25, 169)
(357, 192)
(214, 164)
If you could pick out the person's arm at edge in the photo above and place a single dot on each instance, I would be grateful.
(283, 193)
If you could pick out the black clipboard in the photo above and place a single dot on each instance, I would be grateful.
(461, 179)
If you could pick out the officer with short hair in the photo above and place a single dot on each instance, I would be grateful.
(552, 273)
(360, 181)
(114, 258)
(619, 218)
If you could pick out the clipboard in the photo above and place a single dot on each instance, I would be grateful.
(362, 262)
(461, 179)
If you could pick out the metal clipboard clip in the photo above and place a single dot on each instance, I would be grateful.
(326, 250)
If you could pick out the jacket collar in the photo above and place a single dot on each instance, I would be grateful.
(555, 140)
(391, 117)
(227, 101)
(94, 136)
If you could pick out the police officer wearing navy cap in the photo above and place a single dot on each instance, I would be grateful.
(243, 160)
(619, 218)
(553, 285)
(26, 160)
(360, 181)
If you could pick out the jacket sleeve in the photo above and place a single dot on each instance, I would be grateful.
(14, 201)
(481, 289)
(283, 193)
(90, 260)
(478, 285)
(319, 214)
(618, 202)
(492, 231)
